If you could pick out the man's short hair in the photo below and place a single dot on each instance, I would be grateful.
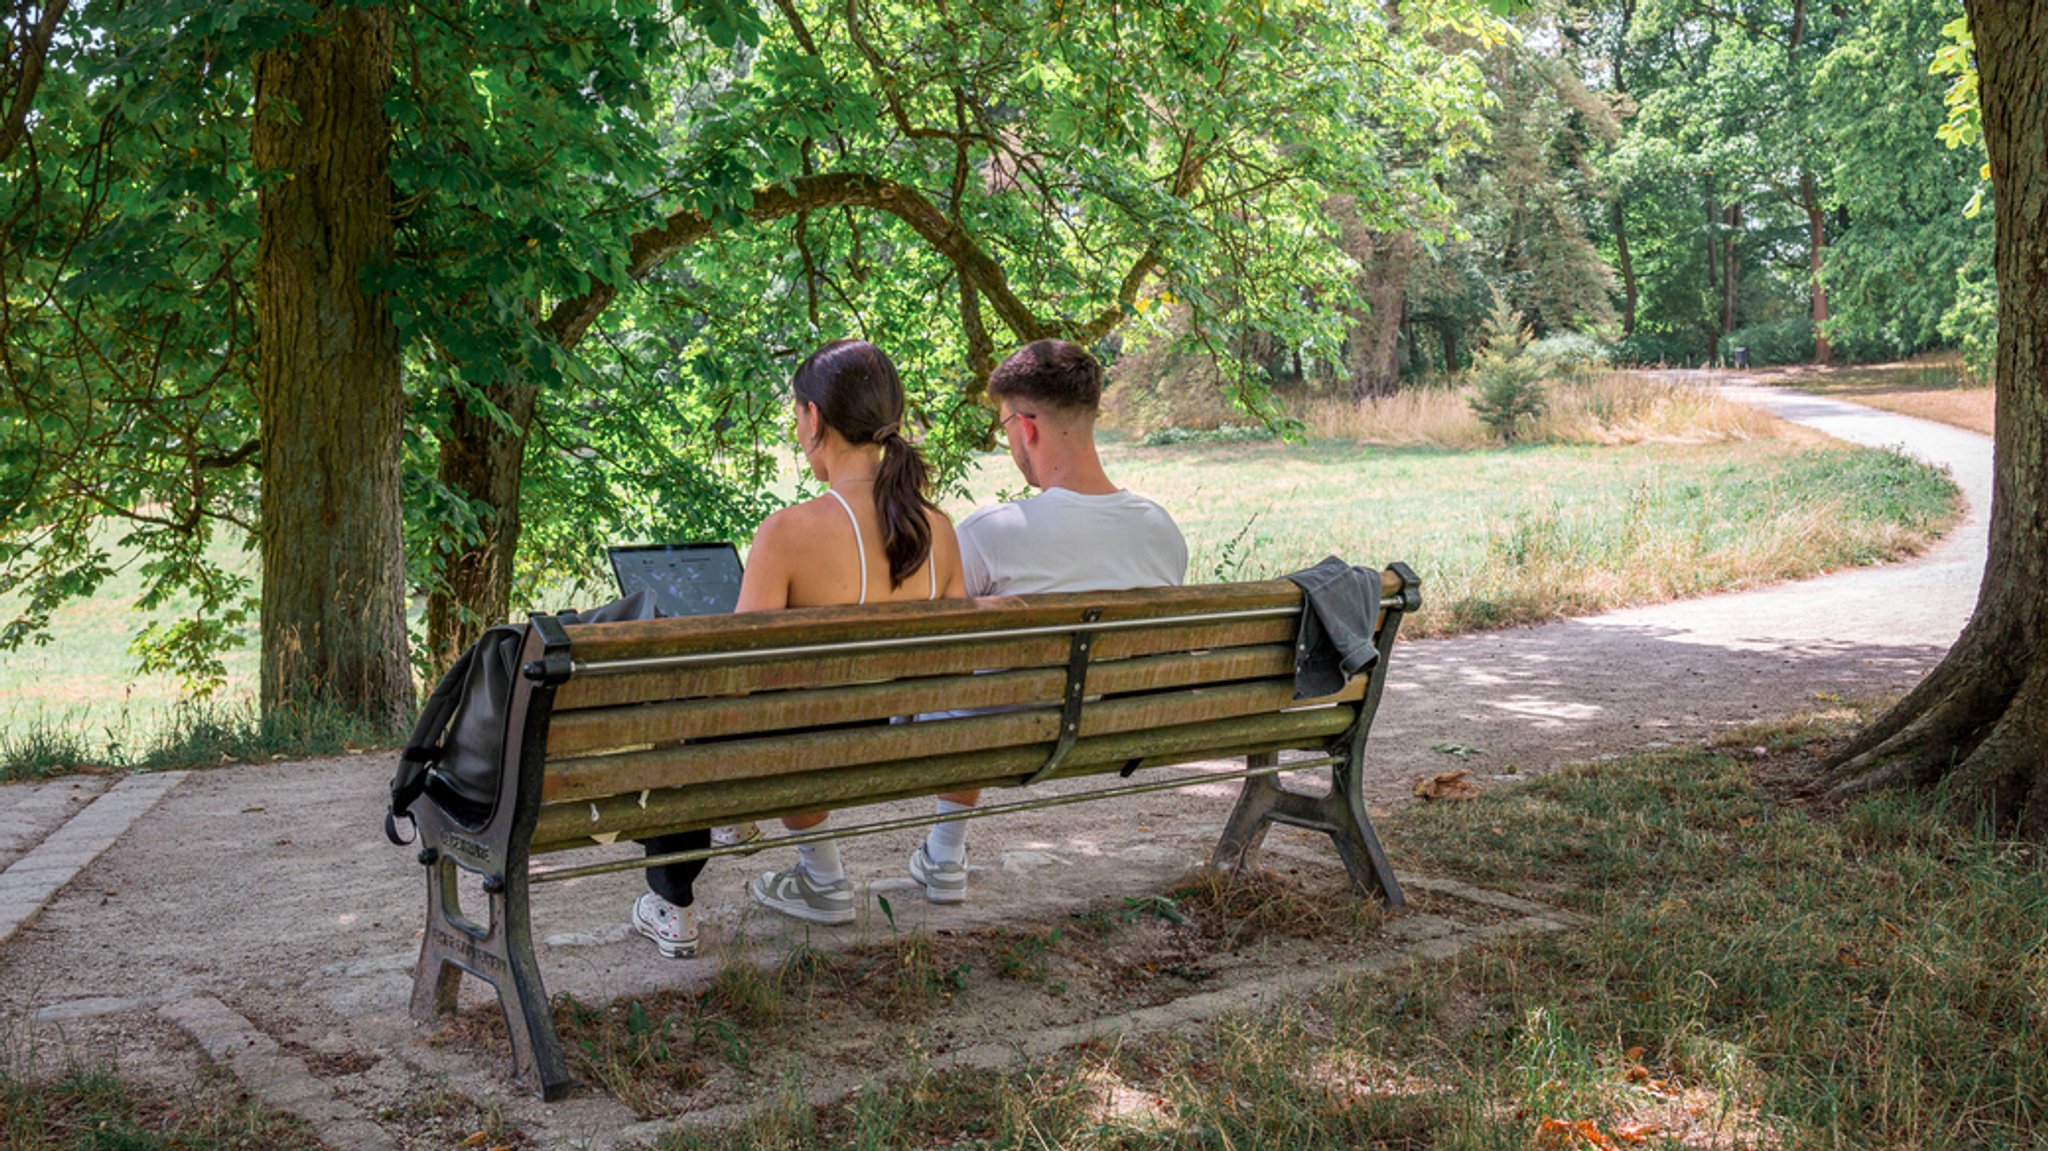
(1058, 374)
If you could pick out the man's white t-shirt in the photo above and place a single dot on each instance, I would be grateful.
(1061, 540)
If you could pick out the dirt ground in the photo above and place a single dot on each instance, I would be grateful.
(270, 888)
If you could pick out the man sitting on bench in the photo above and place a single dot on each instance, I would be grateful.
(1081, 533)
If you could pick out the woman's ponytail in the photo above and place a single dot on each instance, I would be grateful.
(858, 395)
(900, 501)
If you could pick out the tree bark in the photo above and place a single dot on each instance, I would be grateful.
(328, 391)
(1977, 727)
(1627, 268)
(1372, 349)
(1817, 242)
(485, 462)
(1713, 266)
(1731, 277)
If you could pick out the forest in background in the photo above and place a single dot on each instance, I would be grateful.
(603, 233)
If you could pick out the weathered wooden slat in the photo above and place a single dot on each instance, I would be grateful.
(574, 824)
(582, 732)
(600, 643)
(593, 777)
(744, 677)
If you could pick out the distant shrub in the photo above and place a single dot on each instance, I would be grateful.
(1651, 349)
(1786, 341)
(1972, 321)
(1566, 350)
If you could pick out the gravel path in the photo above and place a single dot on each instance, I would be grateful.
(266, 894)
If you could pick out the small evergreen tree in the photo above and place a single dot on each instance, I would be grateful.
(1508, 385)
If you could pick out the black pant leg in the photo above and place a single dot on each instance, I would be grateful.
(675, 881)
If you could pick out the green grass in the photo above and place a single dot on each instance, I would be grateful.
(187, 735)
(1514, 536)
(1753, 973)
(94, 1109)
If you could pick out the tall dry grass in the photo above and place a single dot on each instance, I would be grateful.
(1585, 407)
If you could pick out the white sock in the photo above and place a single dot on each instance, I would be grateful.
(947, 842)
(821, 860)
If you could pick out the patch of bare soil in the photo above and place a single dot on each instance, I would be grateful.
(917, 997)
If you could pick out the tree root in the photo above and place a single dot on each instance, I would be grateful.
(2006, 777)
(1930, 732)
(1975, 729)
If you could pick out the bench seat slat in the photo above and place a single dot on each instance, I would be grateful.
(583, 732)
(599, 643)
(744, 677)
(592, 777)
(571, 825)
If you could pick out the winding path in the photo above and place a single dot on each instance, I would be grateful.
(256, 914)
(1538, 696)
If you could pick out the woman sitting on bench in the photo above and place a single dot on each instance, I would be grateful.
(872, 537)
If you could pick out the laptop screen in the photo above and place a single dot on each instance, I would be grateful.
(686, 579)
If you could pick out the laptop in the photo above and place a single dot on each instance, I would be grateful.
(685, 579)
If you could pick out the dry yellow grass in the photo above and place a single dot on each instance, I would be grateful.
(1584, 408)
(1931, 387)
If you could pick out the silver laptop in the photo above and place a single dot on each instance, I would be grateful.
(685, 579)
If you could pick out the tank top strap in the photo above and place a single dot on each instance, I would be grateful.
(931, 571)
(860, 547)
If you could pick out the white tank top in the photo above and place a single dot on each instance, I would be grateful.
(860, 549)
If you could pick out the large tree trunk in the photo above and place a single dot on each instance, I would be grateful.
(328, 389)
(485, 462)
(1817, 242)
(1978, 725)
(1372, 350)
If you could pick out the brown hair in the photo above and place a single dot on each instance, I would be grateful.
(858, 394)
(1056, 373)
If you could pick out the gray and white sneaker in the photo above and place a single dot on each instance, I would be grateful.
(943, 882)
(673, 929)
(793, 892)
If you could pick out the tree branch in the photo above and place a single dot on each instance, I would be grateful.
(27, 67)
(571, 319)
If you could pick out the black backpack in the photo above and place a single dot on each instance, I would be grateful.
(457, 748)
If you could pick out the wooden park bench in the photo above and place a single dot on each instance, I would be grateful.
(625, 730)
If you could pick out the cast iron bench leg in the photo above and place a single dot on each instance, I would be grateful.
(502, 956)
(1340, 815)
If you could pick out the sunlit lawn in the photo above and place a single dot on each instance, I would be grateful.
(1511, 536)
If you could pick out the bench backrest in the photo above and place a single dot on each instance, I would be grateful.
(696, 722)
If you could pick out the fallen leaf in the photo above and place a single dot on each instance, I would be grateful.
(1562, 1135)
(476, 1139)
(1637, 1073)
(1447, 785)
(1638, 1132)
(1460, 750)
(1632, 1054)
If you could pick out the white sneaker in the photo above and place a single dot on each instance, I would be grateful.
(735, 835)
(673, 929)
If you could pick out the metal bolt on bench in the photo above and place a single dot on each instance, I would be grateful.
(631, 730)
